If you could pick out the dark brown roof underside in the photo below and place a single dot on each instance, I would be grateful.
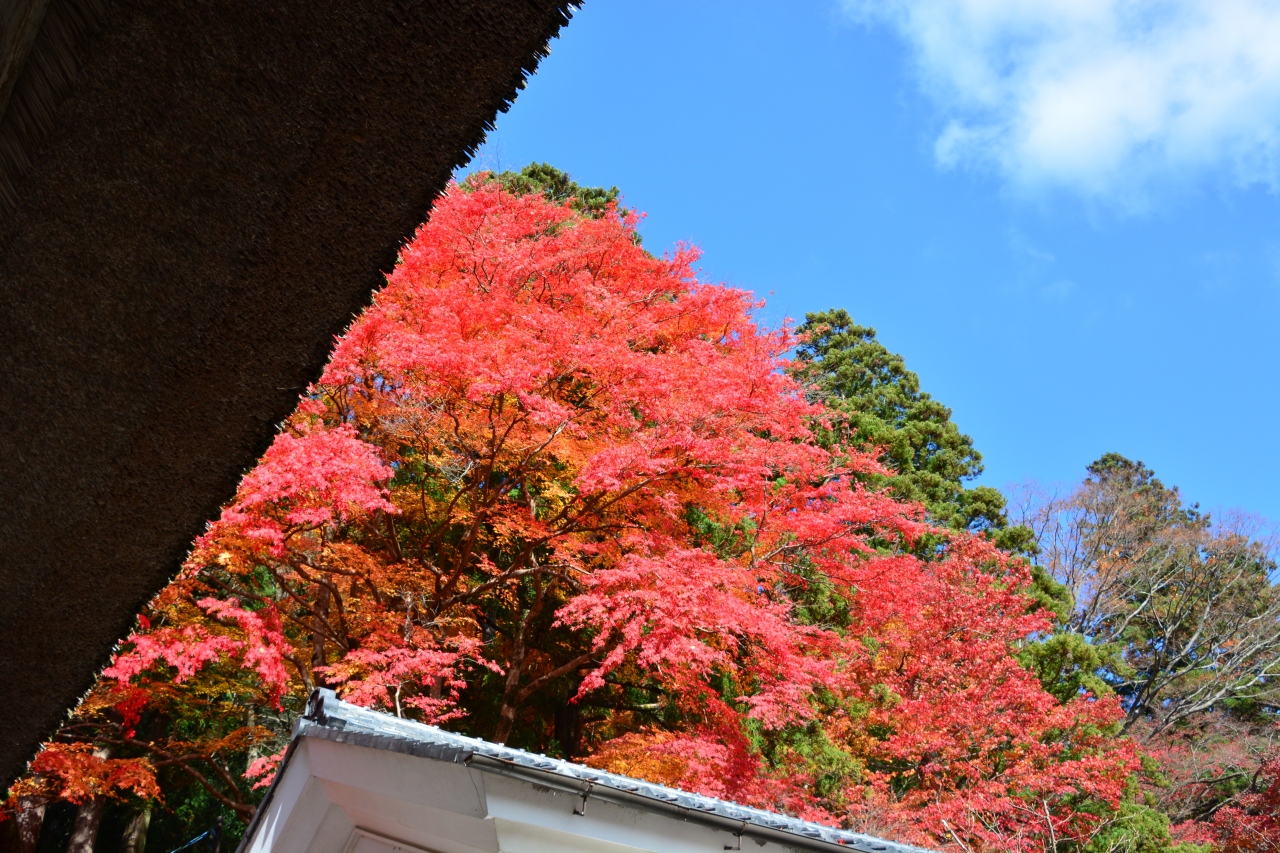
(215, 192)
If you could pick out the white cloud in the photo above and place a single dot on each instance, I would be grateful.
(1106, 98)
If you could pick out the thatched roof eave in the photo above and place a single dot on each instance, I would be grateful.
(195, 197)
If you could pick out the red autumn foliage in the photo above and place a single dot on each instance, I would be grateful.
(547, 460)
(75, 772)
(1252, 823)
(304, 481)
(965, 722)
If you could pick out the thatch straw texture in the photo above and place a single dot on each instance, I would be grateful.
(200, 195)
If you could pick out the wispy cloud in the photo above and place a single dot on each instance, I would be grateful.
(1110, 99)
(1035, 269)
(1058, 290)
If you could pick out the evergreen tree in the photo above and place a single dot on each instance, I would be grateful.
(883, 407)
(554, 184)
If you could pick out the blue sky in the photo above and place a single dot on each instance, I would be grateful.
(1064, 214)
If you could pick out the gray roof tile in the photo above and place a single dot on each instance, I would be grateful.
(332, 719)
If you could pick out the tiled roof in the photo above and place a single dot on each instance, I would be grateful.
(330, 718)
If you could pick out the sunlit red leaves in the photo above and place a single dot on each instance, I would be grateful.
(979, 747)
(1252, 823)
(189, 648)
(304, 481)
(76, 773)
(262, 770)
(535, 403)
(685, 614)
(611, 390)
(186, 649)
(264, 645)
(373, 675)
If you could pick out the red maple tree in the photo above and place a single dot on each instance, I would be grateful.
(558, 492)
(1251, 824)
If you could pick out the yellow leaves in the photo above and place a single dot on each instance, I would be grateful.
(634, 755)
(238, 740)
(553, 496)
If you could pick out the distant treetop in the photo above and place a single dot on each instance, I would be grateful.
(854, 374)
(554, 184)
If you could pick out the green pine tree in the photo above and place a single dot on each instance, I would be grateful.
(556, 185)
(857, 376)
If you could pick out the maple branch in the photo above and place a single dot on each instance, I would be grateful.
(563, 669)
(243, 811)
(394, 537)
(510, 693)
(500, 580)
(304, 672)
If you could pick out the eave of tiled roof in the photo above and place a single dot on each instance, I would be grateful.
(329, 718)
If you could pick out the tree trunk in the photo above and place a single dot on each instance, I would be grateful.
(568, 728)
(320, 628)
(255, 746)
(511, 691)
(135, 834)
(84, 832)
(30, 818)
(507, 715)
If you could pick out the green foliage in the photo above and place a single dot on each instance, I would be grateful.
(1157, 505)
(1016, 539)
(859, 378)
(1067, 664)
(1138, 828)
(556, 185)
(834, 769)
(189, 810)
